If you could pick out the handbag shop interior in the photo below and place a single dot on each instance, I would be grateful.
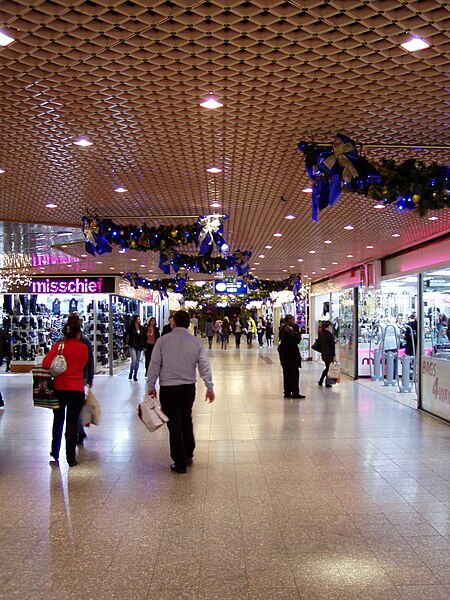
(400, 318)
(34, 322)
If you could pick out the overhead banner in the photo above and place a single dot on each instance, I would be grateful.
(228, 287)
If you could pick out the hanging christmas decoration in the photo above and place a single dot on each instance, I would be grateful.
(209, 231)
(410, 185)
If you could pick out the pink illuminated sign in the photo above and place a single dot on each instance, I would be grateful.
(72, 285)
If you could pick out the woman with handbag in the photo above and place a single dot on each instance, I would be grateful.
(151, 334)
(69, 387)
(327, 349)
(134, 340)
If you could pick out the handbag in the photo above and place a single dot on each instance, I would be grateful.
(316, 345)
(44, 394)
(90, 413)
(59, 364)
(151, 414)
(334, 370)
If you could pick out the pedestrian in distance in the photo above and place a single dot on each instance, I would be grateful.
(134, 340)
(290, 357)
(327, 350)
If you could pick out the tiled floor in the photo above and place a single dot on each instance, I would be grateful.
(344, 495)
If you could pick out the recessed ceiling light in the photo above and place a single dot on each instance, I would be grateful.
(349, 255)
(335, 263)
(83, 142)
(277, 234)
(395, 235)
(134, 259)
(69, 265)
(215, 205)
(290, 217)
(348, 227)
(268, 247)
(312, 251)
(112, 268)
(122, 251)
(99, 262)
(2, 171)
(328, 242)
(83, 270)
(121, 190)
(83, 255)
(211, 103)
(214, 169)
(307, 190)
(379, 205)
(5, 39)
(415, 44)
(284, 270)
(261, 256)
(292, 266)
(300, 260)
(142, 265)
(369, 246)
(256, 263)
(64, 246)
(150, 270)
(433, 218)
(51, 205)
(323, 268)
(313, 272)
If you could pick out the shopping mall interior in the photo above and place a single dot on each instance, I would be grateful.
(240, 160)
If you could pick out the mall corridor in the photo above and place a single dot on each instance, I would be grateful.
(343, 495)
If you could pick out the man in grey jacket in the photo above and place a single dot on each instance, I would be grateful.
(174, 360)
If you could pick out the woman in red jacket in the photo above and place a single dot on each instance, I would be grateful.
(69, 387)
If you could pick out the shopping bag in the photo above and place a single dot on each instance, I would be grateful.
(151, 414)
(316, 345)
(90, 413)
(334, 370)
(44, 394)
(59, 364)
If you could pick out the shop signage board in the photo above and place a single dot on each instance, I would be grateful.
(140, 293)
(230, 287)
(67, 285)
(436, 386)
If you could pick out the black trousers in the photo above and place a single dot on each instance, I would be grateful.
(177, 402)
(72, 401)
(237, 335)
(148, 356)
(291, 378)
(325, 372)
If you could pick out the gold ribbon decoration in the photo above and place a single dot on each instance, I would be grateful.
(340, 148)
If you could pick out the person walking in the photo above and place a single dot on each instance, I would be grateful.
(327, 350)
(269, 332)
(225, 332)
(69, 388)
(167, 327)
(151, 334)
(134, 340)
(209, 331)
(238, 329)
(174, 361)
(194, 323)
(5, 349)
(88, 375)
(290, 357)
(260, 331)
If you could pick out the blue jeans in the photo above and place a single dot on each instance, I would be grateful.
(135, 356)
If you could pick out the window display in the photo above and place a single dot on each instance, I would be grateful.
(342, 317)
(435, 369)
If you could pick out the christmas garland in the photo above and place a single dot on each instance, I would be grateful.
(410, 185)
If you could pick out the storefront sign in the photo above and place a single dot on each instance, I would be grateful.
(436, 386)
(67, 285)
(140, 293)
(224, 287)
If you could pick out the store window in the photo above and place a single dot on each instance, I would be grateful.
(435, 366)
(343, 317)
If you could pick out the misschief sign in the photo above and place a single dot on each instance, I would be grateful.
(68, 285)
(226, 287)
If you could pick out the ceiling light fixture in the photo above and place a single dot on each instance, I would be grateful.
(312, 251)
(5, 39)
(334, 263)
(134, 259)
(328, 242)
(112, 268)
(290, 217)
(415, 44)
(261, 256)
(349, 255)
(433, 218)
(122, 251)
(379, 205)
(349, 227)
(300, 260)
(369, 246)
(99, 262)
(215, 205)
(256, 263)
(268, 247)
(2, 170)
(323, 268)
(307, 190)
(121, 190)
(395, 235)
(211, 103)
(214, 169)
(83, 255)
(51, 205)
(277, 234)
(83, 142)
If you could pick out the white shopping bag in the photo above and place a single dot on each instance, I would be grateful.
(151, 414)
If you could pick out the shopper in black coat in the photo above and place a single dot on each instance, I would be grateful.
(327, 349)
(290, 357)
(134, 340)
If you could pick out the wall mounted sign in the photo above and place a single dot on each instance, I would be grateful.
(67, 285)
(236, 287)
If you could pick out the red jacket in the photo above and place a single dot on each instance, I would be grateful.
(76, 355)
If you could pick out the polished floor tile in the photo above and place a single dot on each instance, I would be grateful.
(343, 495)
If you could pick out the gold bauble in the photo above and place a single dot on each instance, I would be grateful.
(416, 198)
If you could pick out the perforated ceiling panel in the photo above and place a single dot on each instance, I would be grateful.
(130, 79)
